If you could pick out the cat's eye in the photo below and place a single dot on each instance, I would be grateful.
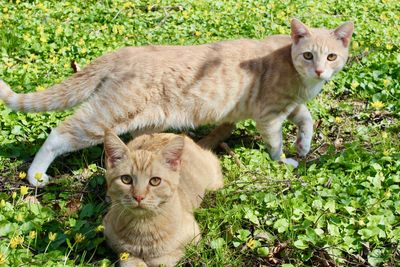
(154, 181)
(308, 55)
(332, 57)
(126, 179)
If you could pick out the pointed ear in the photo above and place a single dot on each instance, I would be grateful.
(344, 32)
(299, 30)
(172, 152)
(114, 148)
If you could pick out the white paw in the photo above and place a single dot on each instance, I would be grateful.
(303, 146)
(290, 161)
(38, 179)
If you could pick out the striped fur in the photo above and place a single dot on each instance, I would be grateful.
(71, 92)
(153, 88)
(156, 229)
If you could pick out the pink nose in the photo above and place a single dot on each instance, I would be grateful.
(139, 198)
(319, 72)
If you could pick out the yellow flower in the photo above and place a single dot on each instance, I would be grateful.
(389, 46)
(81, 42)
(283, 156)
(100, 228)
(251, 243)
(33, 57)
(386, 82)
(52, 236)
(14, 195)
(118, 29)
(384, 135)
(338, 120)
(59, 30)
(366, 50)
(38, 176)
(281, 14)
(79, 237)
(128, 5)
(23, 190)
(2, 203)
(40, 88)
(2, 259)
(354, 85)
(355, 45)
(377, 104)
(43, 38)
(16, 240)
(197, 33)
(26, 36)
(22, 175)
(32, 234)
(19, 217)
(124, 256)
(83, 50)
(281, 29)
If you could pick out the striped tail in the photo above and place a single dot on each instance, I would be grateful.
(72, 91)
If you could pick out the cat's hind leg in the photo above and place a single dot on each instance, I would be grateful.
(216, 136)
(70, 135)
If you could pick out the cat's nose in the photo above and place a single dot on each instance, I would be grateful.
(139, 198)
(319, 72)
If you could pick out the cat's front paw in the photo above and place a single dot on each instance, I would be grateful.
(290, 161)
(132, 262)
(303, 146)
(38, 179)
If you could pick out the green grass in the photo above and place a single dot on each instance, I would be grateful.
(341, 206)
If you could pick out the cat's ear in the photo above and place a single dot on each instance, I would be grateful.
(114, 148)
(344, 32)
(299, 30)
(172, 152)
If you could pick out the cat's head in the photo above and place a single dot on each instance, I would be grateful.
(320, 53)
(142, 179)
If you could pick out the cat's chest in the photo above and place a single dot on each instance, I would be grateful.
(310, 89)
(146, 240)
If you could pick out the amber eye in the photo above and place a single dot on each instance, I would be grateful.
(308, 55)
(154, 181)
(126, 179)
(332, 57)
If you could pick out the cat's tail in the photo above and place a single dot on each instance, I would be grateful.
(72, 91)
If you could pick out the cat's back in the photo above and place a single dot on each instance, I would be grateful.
(167, 55)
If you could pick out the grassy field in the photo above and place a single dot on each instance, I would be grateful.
(341, 207)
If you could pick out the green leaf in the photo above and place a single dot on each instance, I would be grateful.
(87, 211)
(218, 243)
(333, 229)
(330, 205)
(263, 251)
(281, 225)
(7, 228)
(300, 244)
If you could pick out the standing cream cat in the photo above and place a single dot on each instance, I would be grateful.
(154, 184)
(148, 89)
